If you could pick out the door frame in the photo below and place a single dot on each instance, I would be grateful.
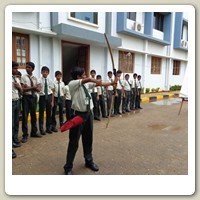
(87, 67)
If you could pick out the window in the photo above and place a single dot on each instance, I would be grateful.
(20, 49)
(155, 65)
(91, 17)
(176, 67)
(126, 60)
(131, 16)
(184, 34)
(158, 21)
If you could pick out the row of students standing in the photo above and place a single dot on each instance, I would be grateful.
(127, 97)
(47, 93)
(128, 93)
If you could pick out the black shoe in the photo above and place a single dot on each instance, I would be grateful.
(49, 131)
(105, 116)
(68, 172)
(97, 118)
(92, 166)
(119, 113)
(24, 139)
(14, 155)
(36, 135)
(15, 145)
(128, 111)
(54, 129)
(140, 107)
(42, 132)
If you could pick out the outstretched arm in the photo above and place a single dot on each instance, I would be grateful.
(93, 80)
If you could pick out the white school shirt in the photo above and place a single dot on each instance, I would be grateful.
(119, 84)
(50, 85)
(62, 88)
(67, 93)
(134, 82)
(110, 87)
(126, 85)
(26, 80)
(92, 89)
(15, 92)
(101, 90)
(78, 95)
(139, 85)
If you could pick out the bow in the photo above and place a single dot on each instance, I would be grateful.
(115, 81)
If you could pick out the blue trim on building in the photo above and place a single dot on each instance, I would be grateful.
(148, 23)
(148, 28)
(54, 18)
(87, 35)
(167, 27)
(108, 22)
(179, 21)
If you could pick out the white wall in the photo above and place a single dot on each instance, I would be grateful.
(139, 64)
(97, 60)
(45, 51)
(25, 19)
(154, 80)
(154, 48)
(177, 79)
(131, 44)
(34, 53)
(44, 21)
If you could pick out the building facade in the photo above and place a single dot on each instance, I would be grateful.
(152, 44)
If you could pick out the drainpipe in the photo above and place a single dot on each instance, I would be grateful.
(168, 65)
(145, 64)
(108, 24)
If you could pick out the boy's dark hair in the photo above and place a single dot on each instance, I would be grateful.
(119, 71)
(92, 71)
(58, 73)
(19, 73)
(109, 72)
(45, 68)
(126, 75)
(31, 64)
(134, 74)
(77, 71)
(139, 76)
(98, 76)
(14, 64)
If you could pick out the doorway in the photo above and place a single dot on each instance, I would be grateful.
(74, 54)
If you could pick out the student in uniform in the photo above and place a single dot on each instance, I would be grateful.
(95, 97)
(16, 90)
(101, 104)
(19, 76)
(138, 98)
(46, 100)
(30, 87)
(68, 103)
(82, 105)
(134, 92)
(58, 93)
(109, 91)
(127, 93)
(119, 94)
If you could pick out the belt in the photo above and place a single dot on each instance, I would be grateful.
(16, 99)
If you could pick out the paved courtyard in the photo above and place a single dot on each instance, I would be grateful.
(151, 141)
